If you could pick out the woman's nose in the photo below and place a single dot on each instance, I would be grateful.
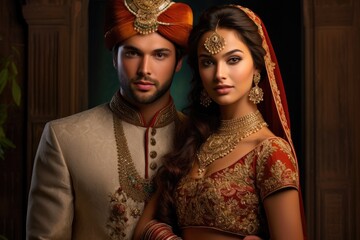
(220, 73)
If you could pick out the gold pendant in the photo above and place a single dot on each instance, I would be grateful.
(146, 13)
(215, 43)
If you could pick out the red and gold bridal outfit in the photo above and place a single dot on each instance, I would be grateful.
(229, 200)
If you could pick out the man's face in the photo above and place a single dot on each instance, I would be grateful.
(146, 65)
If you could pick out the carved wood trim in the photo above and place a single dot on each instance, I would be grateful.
(309, 144)
(57, 64)
(332, 85)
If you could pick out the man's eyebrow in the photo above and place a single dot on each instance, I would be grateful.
(157, 50)
(131, 48)
(162, 50)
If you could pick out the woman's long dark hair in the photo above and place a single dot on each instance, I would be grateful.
(201, 121)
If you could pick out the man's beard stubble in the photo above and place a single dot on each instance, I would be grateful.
(137, 98)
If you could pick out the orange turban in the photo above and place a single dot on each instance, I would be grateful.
(174, 22)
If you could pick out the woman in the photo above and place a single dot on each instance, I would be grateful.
(233, 173)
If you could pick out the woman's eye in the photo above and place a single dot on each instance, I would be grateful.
(234, 60)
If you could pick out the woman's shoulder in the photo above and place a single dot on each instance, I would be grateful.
(274, 145)
(275, 150)
(276, 166)
(265, 137)
(275, 140)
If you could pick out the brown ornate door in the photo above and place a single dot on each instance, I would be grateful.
(332, 79)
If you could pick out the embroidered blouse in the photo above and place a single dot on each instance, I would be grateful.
(230, 200)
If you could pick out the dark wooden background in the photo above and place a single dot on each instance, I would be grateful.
(64, 68)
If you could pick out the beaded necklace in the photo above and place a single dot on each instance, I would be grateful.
(226, 138)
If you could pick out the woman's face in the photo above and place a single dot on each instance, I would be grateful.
(227, 76)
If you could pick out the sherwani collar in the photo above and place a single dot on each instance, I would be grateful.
(128, 113)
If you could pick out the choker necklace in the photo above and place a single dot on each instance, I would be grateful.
(226, 138)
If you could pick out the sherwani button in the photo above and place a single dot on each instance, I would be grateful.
(153, 131)
(153, 154)
(153, 141)
(153, 166)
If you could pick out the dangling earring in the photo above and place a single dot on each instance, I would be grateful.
(205, 100)
(256, 94)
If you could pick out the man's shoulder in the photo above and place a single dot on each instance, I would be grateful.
(95, 114)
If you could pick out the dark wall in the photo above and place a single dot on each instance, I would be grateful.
(283, 20)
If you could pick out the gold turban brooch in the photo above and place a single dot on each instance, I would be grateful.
(126, 18)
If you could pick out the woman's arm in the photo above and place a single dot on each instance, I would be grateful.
(148, 228)
(147, 215)
(284, 216)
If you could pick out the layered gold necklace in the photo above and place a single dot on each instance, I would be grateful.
(226, 138)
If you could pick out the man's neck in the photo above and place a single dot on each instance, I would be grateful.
(148, 111)
(144, 115)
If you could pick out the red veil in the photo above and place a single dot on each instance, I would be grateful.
(274, 108)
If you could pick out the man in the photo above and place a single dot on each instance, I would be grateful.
(92, 171)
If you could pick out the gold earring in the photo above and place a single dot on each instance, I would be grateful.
(256, 94)
(205, 100)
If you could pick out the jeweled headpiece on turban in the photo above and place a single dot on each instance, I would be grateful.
(126, 18)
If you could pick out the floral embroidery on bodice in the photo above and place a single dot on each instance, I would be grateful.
(230, 200)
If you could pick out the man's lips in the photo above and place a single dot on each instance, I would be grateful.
(143, 85)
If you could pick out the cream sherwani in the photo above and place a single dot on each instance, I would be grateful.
(76, 192)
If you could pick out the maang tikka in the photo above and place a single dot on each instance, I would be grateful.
(215, 43)
(256, 93)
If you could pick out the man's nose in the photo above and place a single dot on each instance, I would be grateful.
(144, 68)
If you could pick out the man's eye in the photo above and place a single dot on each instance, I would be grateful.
(160, 55)
(131, 54)
(206, 63)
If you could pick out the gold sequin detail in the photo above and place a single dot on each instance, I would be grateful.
(146, 13)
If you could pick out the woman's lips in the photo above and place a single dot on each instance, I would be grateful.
(223, 89)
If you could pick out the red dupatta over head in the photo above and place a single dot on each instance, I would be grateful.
(274, 108)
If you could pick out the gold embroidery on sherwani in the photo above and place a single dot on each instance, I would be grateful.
(130, 115)
(132, 185)
(230, 200)
(130, 180)
(135, 186)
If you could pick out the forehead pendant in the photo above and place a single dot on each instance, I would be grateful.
(215, 43)
(146, 13)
